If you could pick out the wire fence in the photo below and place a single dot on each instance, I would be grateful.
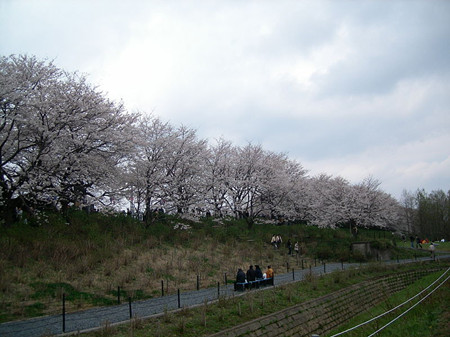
(66, 315)
(47, 298)
(399, 306)
(412, 307)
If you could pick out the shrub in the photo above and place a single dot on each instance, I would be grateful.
(325, 252)
(358, 257)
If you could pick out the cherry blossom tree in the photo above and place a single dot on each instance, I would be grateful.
(329, 201)
(61, 140)
(153, 146)
(282, 180)
(258, 183)
(374, 208)
(246, 179)
(333, 201)
(217, 176)
(183, 184)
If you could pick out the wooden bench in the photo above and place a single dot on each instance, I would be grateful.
(241, 286)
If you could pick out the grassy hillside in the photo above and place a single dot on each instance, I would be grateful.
(88, 256)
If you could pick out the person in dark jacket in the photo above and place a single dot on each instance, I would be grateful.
(289, 246)
(251, 274)
(418, 242)
(240, 277)
(258, 273)
(411, 238)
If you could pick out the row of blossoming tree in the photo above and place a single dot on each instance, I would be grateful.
(64, 143)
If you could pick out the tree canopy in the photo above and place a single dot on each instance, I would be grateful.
(427, 214)
(63, 143)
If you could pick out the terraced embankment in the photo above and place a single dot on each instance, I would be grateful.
(321, 315)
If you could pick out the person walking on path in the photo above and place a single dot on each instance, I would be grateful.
(279, 240)
(432, 249)
(355, 232)
(296, 248)
(418, 243)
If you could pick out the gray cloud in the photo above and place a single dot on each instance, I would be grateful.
(348, 88)
(407, 42)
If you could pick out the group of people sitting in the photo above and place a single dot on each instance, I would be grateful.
(253, 276)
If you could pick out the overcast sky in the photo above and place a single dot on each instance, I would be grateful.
(347, 88)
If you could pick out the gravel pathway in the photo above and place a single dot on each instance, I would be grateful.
(94, 318)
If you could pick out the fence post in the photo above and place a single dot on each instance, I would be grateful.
(198, 282)
(64, 312)
(118, 295)
(162, 288)
(179, 302)
(287, 266)
(302, 265)
(324, 268)
(310, 270)
(129, 306)
(293, 275)
(226, 281)
(218, 289)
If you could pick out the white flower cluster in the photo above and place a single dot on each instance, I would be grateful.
(191, 217)
(41, 218)
(181, 226)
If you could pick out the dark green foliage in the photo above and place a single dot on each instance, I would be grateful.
(56, 291)
(35, 309)
(433, 214)
(79, 234)
(325, 252)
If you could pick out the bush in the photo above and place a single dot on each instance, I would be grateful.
(342, 253)
(162, 232)
(358, 257)
(325, 252)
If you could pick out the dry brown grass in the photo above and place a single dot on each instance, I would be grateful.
(140, 267)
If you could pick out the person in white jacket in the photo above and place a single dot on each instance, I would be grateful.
(432, 248)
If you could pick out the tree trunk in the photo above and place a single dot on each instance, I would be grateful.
(8, 214)
(250, 221)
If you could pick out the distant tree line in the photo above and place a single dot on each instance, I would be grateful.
(427, 214)
(63, 143)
